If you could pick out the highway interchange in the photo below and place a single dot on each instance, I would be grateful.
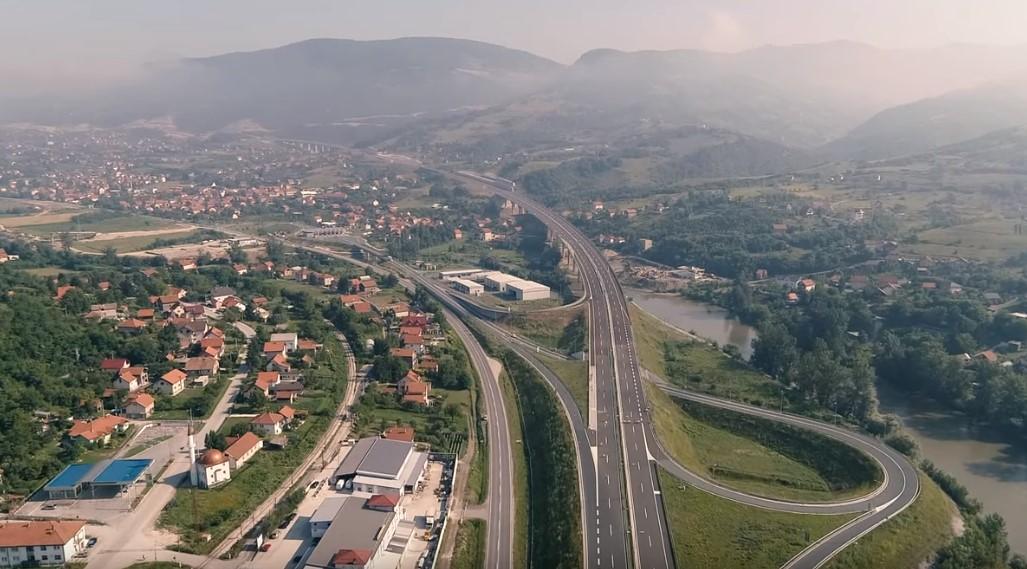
(623, 521)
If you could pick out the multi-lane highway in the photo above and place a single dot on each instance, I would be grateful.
(631, 528)
(611, 340)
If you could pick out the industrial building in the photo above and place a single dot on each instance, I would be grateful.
(381, 466)
(358, 532)
(517, 287)
(468, 287)
(103, 479)
(528, 290)
(325, 514)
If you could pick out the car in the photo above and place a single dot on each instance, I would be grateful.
(313, 484)
(266, 546)
(274, 534)
(50, 507)
(91, 542)
(288, 520)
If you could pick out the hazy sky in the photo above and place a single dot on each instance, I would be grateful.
(50, 40)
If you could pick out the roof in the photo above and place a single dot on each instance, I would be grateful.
(122, 471)
(268, 419)
(106, 472)
(92, 430)
(243, 445)
(213, 457)
(113, 364)
(354, 528)
(375, 456)
(328, 509)
(400, 433)
(274, 347)
(200, 364)
(22, 533)
(144, 399)
(70, 477)
(383, 501)
(352, 557)
(174, 376)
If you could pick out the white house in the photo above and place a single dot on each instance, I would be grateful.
(171, 383)
(290, 339)
(41, 542)
(243, 449)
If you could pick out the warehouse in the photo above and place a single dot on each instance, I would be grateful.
(355, 536)
(497, 281)
(527, 290)
(375, 465)
(468, 287)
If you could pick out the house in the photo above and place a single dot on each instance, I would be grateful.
(186, 264)
(308, 346)
(287, 390)
(272, 349)
(139, 406)
(201, 366)
(97, 430)
(806, 285)
(993, 298)
(762, 274)
(289, 339)
(348, 300)
(171, 383)
(414, 342)
(383, 502)
(406, 354)
(411, 331)
(145, 314)
(398, 309)
(279, 364)
(240, 269)
(273, 423)
(113, 365)
(242, 449)
(62, 291)
(218, 295)
(41, 543)
(214, 343)
(399, 433)
(428, 364)
(792, 297)
(131, 379)
(131, 326)
(988, 356)
(362, 307)
(266, 379)
(413, 388)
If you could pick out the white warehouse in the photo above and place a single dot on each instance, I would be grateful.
(468, 287)
(497, 281)
(527, 290)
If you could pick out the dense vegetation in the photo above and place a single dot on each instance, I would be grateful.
(555, 523)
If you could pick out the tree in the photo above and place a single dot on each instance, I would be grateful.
(216, 440)
(774, 351)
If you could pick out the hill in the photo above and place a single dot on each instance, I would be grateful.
(935, 122)
(312, 87)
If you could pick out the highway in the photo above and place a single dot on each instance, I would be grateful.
(500, 500)
(631, 525)
(611, 339)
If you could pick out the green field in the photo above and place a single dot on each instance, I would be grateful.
(574, 374)
(140, 242)
(714, 533)
(469, 551)
(520, 473)
(100, 223)
(908, 539)
(737, 461)
(991, 239)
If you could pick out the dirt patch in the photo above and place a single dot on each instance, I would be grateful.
(145, 233)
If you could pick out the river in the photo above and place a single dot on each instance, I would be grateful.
(710, 322)
(995, 472)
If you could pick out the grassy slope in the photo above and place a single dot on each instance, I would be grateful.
(574, 375)
(469, 552)
(909, 538)
(520, 463)
(137, 243)
(714, 533)
(698, 446)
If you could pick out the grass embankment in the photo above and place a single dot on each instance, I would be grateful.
(469, 552)
(144, 242)
(907, 539)
(651, 335)
(521, 479)
(714, 533)
(574, 374)
(760, 456)
(554, 502)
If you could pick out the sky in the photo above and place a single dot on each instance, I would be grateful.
(84, 42)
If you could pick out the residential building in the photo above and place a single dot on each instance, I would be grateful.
(413, 388)
(289, 339)
(242, 449)
(41, 543)
(202, 366)
(97, 430)
(139, 406)
(171, 383)
(273, 423)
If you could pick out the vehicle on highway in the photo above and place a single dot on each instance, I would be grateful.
(266, 546)
(91, 542)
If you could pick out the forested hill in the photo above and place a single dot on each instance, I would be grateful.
(49, 360)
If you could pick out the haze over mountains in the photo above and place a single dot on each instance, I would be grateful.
(839, 99)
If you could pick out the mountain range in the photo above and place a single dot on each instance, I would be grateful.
(839, 99)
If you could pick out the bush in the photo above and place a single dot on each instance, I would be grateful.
(902, 443)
